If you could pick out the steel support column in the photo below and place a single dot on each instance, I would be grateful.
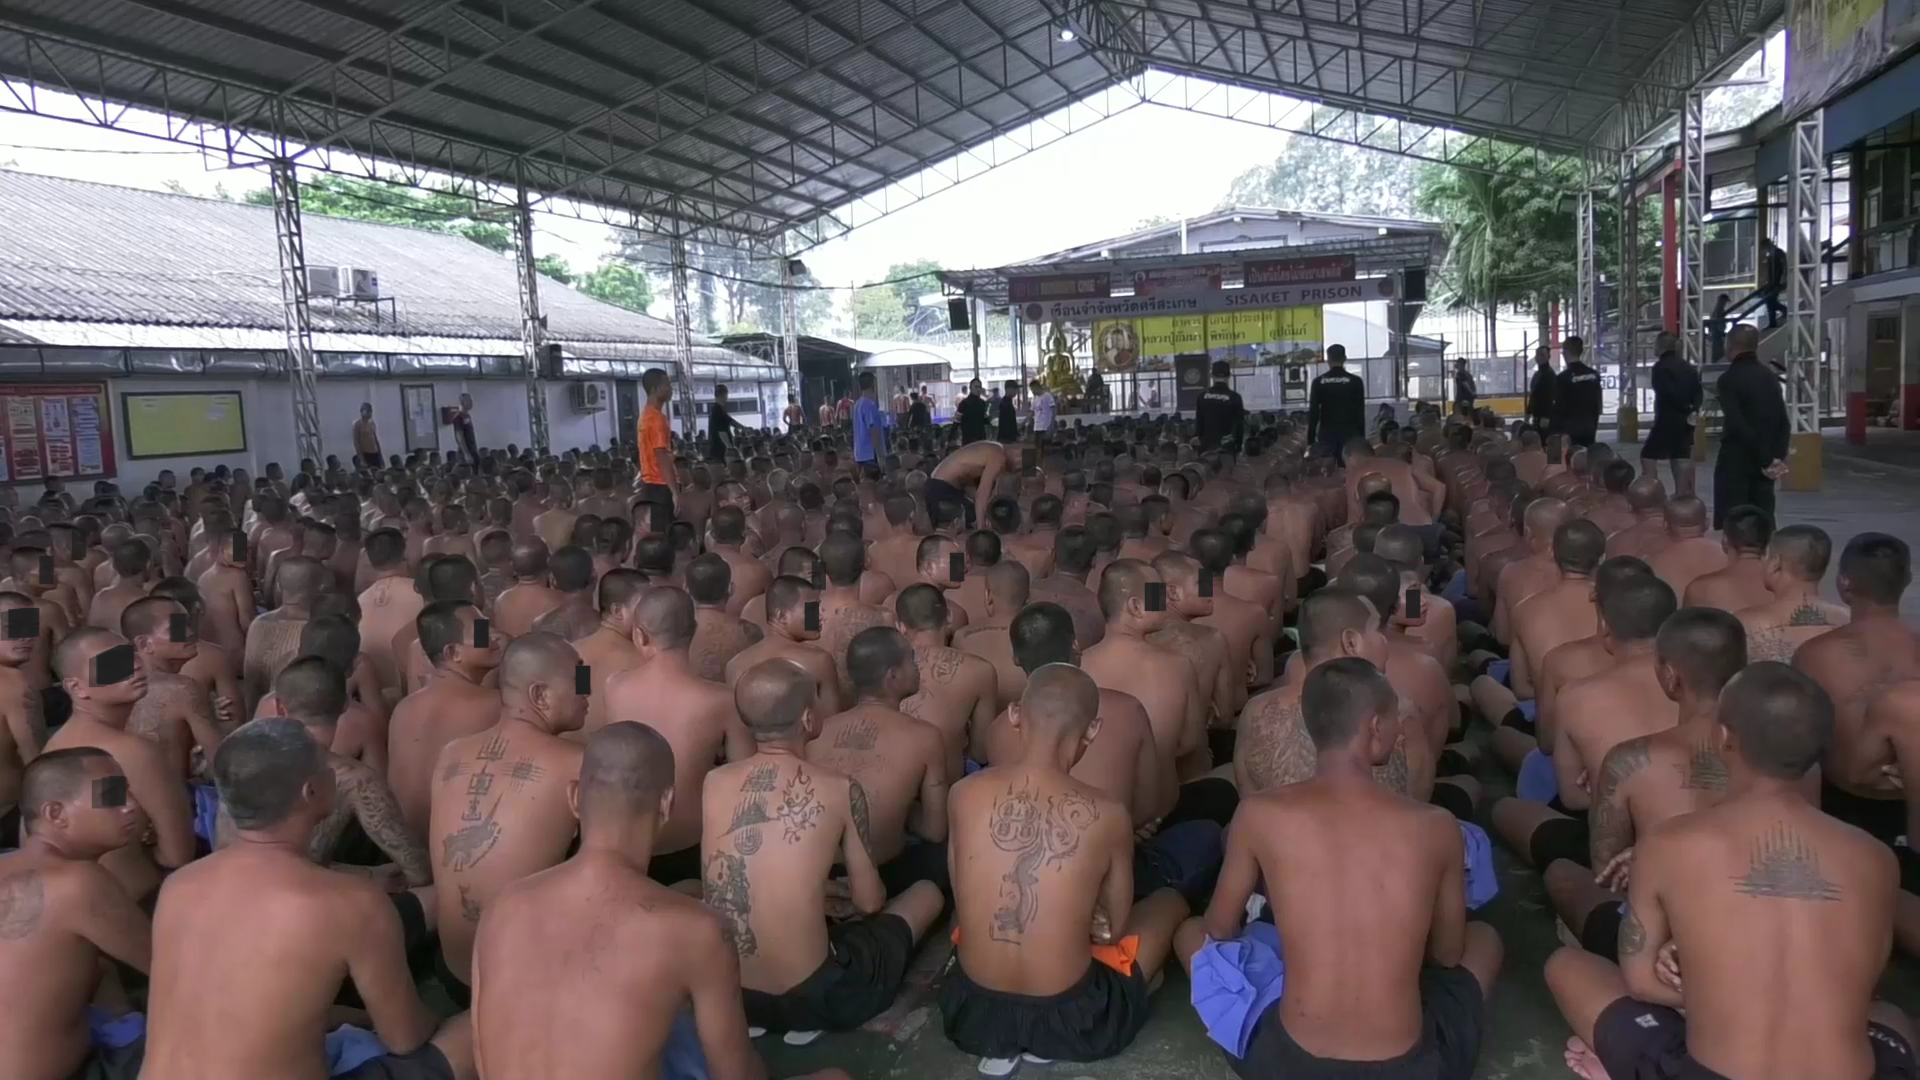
(1584, 271)
(297, 316)
(533, 325)
(1805, 175)
(1627, 293)
(1693, 235)
(682, 336)
(789, 328)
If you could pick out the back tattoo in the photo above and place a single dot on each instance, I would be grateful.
(1036, 836)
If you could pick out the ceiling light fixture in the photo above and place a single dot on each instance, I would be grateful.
(1067, 34)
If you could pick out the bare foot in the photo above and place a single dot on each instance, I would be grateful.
(1583, 1061)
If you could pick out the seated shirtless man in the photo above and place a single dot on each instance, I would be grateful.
(63, 914)
(1561, 612)
(899, 762)
(1519, 580)
(1622, 701)
(1734, 895)
(453, 703)
(1648, 779)
(1793, 612)
(967, 476)
(175, 712)
(957, 692)
(1742, 583)
(278, 934)
(1054, 957)
(1369, 908)
(1008, 587)
(626, 1019)
(721, 635)
(798, 972)
(1689, 552)
(504, 791)
(1133, 599)
(1855, 664)
(695, 716)
(793, 630)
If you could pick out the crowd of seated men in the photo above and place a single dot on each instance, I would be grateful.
(623, 783)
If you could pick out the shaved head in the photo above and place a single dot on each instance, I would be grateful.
(1744, 340)
(1687, 512)
(772, 697)
(1124, 580)
(537, 658)
(1646, 493)
(666, 614)
(529, 558)
(1009, 583)
(301, 579)
(625, 770)
(1060, 701)
(1544, 516)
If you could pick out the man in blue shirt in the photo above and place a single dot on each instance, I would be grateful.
(869, 429)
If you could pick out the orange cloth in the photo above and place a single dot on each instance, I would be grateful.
(654, 437)
(1119, 956)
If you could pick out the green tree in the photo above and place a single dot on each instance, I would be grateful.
(618, 283)
(371, 200)
(1321, 176)
(878, 314)
(556, 268)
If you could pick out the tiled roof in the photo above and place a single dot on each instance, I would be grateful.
(81, 251)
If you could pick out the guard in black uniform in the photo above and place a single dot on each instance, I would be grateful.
(1220, 416)
(1676, 398)
(1755, 431)
(1577, 396)
(1540, 409)
(1336, 406)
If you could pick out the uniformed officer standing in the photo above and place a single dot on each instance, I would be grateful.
(1336, 406)
(1577, 397)
(1220, 416)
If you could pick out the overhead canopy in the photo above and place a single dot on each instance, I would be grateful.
(765, 116)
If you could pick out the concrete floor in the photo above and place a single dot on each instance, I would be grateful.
(1524, 1033)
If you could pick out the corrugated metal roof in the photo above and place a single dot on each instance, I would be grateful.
(87, 252)
(758, 116)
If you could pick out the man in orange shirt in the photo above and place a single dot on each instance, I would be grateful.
(656, 450)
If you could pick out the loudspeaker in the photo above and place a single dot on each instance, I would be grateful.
(549, 361)
(1415, 282)
(958, 317)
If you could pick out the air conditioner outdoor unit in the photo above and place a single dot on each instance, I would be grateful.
(359, 283)
(585, 397)
(323, 281)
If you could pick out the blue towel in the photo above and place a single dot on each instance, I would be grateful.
(109, 1032)
(683, 1058)
(1236, 982)
(968, 766)
(206, 810)
(1456, 588)
(1537, 782)
(350, 1047)
(1502, 672)
(1483, 882)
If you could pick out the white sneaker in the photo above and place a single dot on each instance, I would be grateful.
(800, 1038)
(999, 1067)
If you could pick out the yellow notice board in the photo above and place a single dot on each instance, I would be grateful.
(183, 423)
(1246, 335)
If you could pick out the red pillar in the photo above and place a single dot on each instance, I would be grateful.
(1670, 251)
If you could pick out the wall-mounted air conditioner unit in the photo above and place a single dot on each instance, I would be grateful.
(586, 397)
(359, 283)
(323, 281)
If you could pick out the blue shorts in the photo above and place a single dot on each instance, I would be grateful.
(1456, 588)
(1185, 858)
(1537, 781)
(1501, 671)
(206, 810)
(1483, 881)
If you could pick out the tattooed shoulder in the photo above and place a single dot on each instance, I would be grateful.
(1277, 748)
(1783, 866)
(23, 903)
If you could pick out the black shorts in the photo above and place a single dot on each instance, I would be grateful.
(426, 1063)
(1095, 1019)
(1210, 798)
(1600, 934)
(1560, 838)
(918, 861)
(10, 836)
(105, 1063)
(1885, 819)
(941, 491)
(676, 866)
(866, 960)
(1670, 439)
(660, 513)
(1909, 868)
(1452, 762)
(1637, 1041)
(1453, 1019)
(1221, 742)
(1518, 721)
(457, 990)
(56, 706)
(1453, 799)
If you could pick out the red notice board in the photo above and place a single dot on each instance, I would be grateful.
(48, 430)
